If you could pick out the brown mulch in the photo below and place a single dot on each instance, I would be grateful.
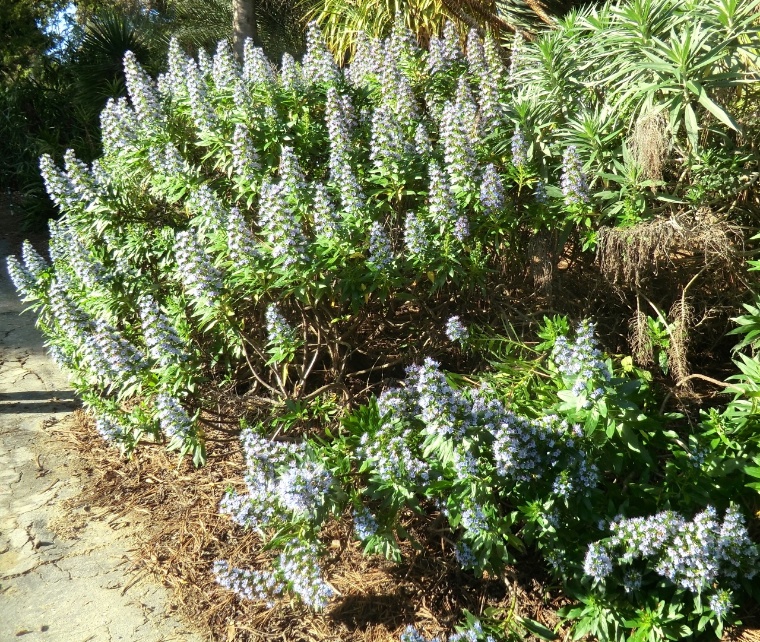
(376, 599)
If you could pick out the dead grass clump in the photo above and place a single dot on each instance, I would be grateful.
(649, 144)
(184, 534)
(638, 338)
(628, 255)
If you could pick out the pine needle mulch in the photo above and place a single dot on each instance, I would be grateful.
(182, 534)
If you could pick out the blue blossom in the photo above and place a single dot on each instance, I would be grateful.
(200, 279)
(464, 555)
(365, 524)
(164, 344)
(597, 562)
(110, 427)
(118, 127)
(201, 111)
(443, 207)
(470, 633)
(476, 56)
(301, 489)
(380, 250)
(299, 567)
(474, 520)
(456, 331)
(573, 181)
(245, 158)
(341, 152)
(443, 409)
(291, 77)
(366, 60)
(515, 61)
(224, 70)
(110, 357)
(166, 160)
(57, 184)
(444, 51)
(693, 555)
(326, 220)
(257, 70)
(492, 195)
(242, 244)
(581, 362)
(540, 192)
(318, 63)
(458, 134)
(279, 223)
(80, 180)
(205, 65)
(519, 148)
(280, 334)
(390, 453)
(417, 236)
(211, 216)
(21, 277)
(142, 93)
(721, 603)
(249, 585)
(172, 83)
(411, 634)
(173, 418)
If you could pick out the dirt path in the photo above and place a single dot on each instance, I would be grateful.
(64, 570)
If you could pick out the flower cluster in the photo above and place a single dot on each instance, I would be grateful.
(241, 243)
(257, 70)
(573, 180)
(203, 114)
(142, 93)
(492, 195)
(471, 633)
(459, 127)
(326, 220)
(245, 158)
(291, 75)
(341, 152)
(224, 71)
(411, 634)
(380, 250)
(280, 334)
(57, 184)
(443, 207)
(301, 489)
(210, 215)
(249, 585)
(318, 63)
(417, 236)
(444, 410)
(694, 555)
(199, 277)
(581, 362)
(277, 218)
(118, 127)
(456, 331)
(391, 454)
(444, 51)
(173, 418)
(164, 344)
(111, 358)
(519, 148)
(365, 524)
(110, 427)
(529, 450)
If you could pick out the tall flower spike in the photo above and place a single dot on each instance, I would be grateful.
(365, 61)
(519, 148)
(491, 189)
(211, 215)
(242, 244)
(57, 184)
(173, 418)
(574, 185)
(257, 70)
(174, 78)
(380, 251)
(33, 262)
(326, 221)
(278, 221)
(514, 59)
(341, 172)
(245, 158)
(164, 344)
(318, 63)
(224, 70)
(142, 94)
(441, 204)
(476, 57)
(80, 178)
(21, 277)
(202, 112)
(118, 126)
(458, 134)
(200, 279)
(416, 235)
(291, 76)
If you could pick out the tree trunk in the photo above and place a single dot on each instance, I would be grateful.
(243, 24)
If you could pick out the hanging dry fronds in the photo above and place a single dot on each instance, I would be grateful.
(649, 144)
(680, 318)
(640, 340)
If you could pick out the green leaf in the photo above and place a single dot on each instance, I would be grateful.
(537, 629)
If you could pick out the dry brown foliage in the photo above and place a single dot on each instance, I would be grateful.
(649, 144)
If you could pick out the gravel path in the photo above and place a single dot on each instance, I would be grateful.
(64, 570)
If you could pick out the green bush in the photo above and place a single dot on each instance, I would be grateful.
(292, 237)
